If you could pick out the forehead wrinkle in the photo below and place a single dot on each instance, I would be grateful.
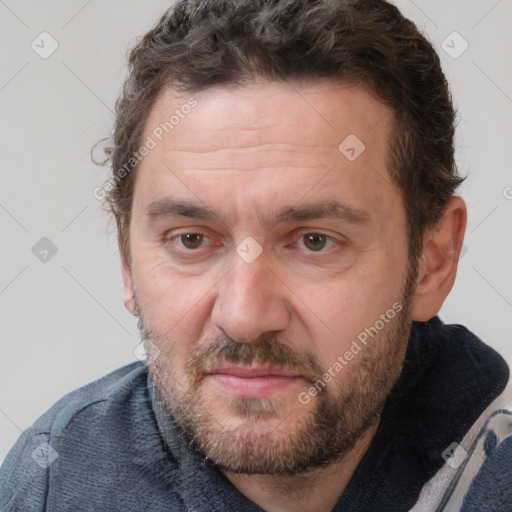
(275, 146)
(248, 158)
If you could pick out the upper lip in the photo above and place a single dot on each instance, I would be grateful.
(255, 371)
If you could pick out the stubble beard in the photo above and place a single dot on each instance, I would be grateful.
(263, 441)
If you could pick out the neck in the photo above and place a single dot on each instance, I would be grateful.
(317, 490)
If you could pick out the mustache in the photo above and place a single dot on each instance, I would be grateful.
(266, 350)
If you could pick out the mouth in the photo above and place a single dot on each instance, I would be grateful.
(253, 381)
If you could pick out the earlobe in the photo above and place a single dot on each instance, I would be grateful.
(437, 267)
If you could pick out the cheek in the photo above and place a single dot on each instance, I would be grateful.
(335, 318)
(339, 312)
(173, 305)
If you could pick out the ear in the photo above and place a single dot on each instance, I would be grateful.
(129, 298)
(438, 264)
(126, 271)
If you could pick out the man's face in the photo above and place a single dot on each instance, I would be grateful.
(270, 269)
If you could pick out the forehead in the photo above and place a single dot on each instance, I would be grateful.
(283, 136)
(317, 113)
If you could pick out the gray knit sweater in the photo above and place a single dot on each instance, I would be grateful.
(109, 446)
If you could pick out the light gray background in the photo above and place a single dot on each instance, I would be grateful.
(64, 321)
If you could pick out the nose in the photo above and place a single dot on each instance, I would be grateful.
(251, 301)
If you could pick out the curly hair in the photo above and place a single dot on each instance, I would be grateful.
(198, 44)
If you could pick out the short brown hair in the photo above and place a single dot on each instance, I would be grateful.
(198, 44)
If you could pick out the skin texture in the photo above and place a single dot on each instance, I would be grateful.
(244, 153)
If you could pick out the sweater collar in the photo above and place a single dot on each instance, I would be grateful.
(448, 378)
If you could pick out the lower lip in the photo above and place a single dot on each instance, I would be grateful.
(252, 386)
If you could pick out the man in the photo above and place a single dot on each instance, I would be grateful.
(283, 183)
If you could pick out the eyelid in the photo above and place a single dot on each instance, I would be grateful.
(330, 238)
(171, 238)
(298, 234)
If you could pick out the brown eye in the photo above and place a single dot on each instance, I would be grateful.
(191, 240)
(315, 241)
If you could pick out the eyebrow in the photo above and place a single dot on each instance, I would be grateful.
(172, 208)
